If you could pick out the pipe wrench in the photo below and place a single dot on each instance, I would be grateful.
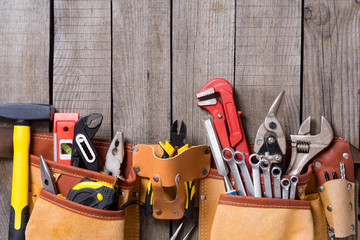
(114, 156)
(270, 142)
(305, 146)
(226, 118)
(84, 154)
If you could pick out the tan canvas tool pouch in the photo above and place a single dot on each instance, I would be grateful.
(169, 176)
(53, 217)
(318, 203)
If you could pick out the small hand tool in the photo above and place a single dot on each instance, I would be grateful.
(327, 178)
(64, 124)
(285, 185)
(334, 174)
(98, 195)
(293, 182)
(305, 146)
(177, 231)
(47, 178)
(276, 173)
(246, 175)
(234, 168)
(84, 154)
(217, 155)
(270, 142)
(226, 118)
(114, 156)
(342, 170)
(23, 113)
(254, 161)
(265, 166)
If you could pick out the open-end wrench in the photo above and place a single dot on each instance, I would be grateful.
(305, 146)
(245, 173)
(216, 152)
(293, 182)
(276, 174)
(265, 168)
(234, 168)
(226, 118)
(285, 185)
(254, 161)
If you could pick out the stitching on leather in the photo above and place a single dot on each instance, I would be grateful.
(224, 202)
(77, 211)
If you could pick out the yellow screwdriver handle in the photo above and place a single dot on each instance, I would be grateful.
(20, 181)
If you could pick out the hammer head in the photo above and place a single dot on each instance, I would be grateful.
(26, 111)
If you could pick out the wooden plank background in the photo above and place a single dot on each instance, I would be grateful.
(140, 63)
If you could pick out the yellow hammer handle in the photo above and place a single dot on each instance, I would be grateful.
(20, 181)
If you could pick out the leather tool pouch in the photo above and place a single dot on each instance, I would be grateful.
(222, 216)
(168, 176)
(54, 217)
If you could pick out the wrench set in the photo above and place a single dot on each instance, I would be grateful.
(269, 176)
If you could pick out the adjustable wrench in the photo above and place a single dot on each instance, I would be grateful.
(226, 119)
(114, 156)
(305, 146)
(276, 173)
(265, 168)
(254, 161)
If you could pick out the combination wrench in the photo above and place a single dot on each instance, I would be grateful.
(265, 168)
(254, 161)
(276, 174)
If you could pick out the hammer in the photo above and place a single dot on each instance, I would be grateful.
(22, 113)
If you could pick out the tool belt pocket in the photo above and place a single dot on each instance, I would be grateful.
(59, 218)
(168, 185)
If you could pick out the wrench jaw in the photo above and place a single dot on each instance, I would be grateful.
(305, 147)
(265, 166)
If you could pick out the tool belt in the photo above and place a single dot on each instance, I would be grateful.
(320, 202)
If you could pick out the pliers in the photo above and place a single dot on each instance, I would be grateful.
(270, 142)
(176, 145)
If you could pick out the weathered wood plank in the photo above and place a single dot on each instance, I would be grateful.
(24, 61)
(141, 80)
(332, 65)
(203, 49)
(268, 54)
(82, 59)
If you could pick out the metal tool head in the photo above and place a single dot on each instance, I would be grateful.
(177, 137)
(47, 178)
(265, 165)
(177, 231)
(254, 160)
(208, 93)
(26, 111)
(115, 155)
(276, 172)
(305, 147)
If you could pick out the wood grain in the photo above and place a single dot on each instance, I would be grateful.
(24, 61)
(141, 81)
(268, 55)
(332, 65)
(203, 49)
(82, 59)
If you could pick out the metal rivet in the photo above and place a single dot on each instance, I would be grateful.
(137, 169)
(318, 164)
(203, 197)
(350, 206)
(219, 116)
(204, 172)
(135, 194)
(135, 149)
(123, 194)
(272, 125)
(322, 189)
(156, 178)
(329, 208)
(301, 190)
(345, 155)
(349, 186)
(271, 140)
(352, 227)
(207, 151)
(175, 213)
(158, 212)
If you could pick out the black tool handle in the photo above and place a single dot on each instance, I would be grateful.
(18, 234)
